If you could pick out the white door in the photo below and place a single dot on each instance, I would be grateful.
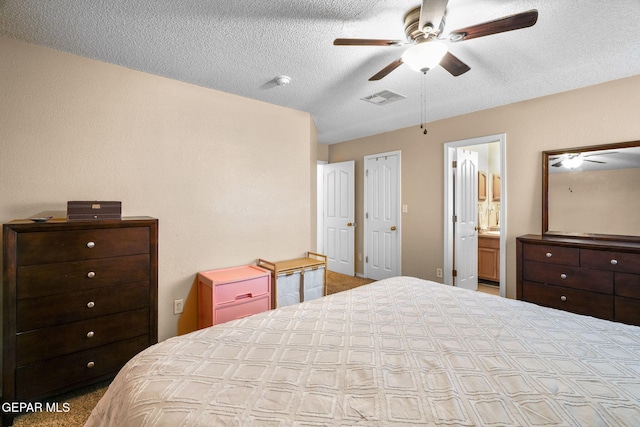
(382, 216)
(466, 223)
(339, 216)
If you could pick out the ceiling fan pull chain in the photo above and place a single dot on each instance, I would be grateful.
(423, 99)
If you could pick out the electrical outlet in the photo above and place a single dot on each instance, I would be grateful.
(439, 272)
(178, 306)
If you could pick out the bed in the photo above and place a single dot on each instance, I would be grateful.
(400, 351)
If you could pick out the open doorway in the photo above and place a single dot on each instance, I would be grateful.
(492, 218)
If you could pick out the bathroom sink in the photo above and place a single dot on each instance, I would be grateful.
(491, 233)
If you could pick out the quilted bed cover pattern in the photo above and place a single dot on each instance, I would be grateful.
(398, 352)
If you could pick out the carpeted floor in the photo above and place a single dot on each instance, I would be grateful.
(339, 282)
(82, 401)
(80, 404)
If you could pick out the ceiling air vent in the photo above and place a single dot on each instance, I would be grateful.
(383, 98)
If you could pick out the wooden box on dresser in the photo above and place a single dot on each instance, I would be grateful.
(79, 300)
(599, 278)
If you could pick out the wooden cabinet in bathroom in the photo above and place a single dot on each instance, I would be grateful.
(482, 186)
(489, 257)
(495, 188)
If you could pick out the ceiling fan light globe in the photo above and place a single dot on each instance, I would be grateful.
(572, 162)
(424, 56)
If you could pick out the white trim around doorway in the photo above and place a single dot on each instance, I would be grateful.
(449, 149)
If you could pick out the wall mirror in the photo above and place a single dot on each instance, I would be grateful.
(592, 192)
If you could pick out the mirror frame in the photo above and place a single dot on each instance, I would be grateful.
(545, 192)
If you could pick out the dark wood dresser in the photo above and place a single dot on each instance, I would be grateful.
(80, 299)
(599, 278)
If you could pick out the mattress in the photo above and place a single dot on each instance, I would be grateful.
(397, 352)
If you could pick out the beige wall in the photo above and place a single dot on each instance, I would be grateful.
(595, 115)
(230, 179)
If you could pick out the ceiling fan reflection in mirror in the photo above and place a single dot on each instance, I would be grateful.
(424, 27)
(573, 161)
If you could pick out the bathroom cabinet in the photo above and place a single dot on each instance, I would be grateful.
(489, 257)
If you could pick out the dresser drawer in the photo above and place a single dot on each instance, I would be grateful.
(58, 373)
(574, 300)
(35, 313)
(627, 310)
(572, 277)
(615, 261)
(56, 341)
(242, 308)
(47, 279)
(59, 246)
(627, 285)
(235, 291)
(551, 254)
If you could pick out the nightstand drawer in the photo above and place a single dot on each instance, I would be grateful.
(572, 277)
(58, 309)
(51, 375)
(47, 279)
(46, 343)
(551, 254)
(235, 291)
(574, 300)
(242, 308)
(60, 246)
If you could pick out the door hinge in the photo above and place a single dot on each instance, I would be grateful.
(454, 164)
(455, 273)
(366, 215)
(454, 218)
(366, 173)
(366, 259)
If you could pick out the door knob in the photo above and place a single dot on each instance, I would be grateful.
(351, 224)
(393, 228)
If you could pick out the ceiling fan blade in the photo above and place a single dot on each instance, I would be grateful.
(367, 42)
(508, 23)
(386, 70)
(431, 14)
(601, 154)
(453, 65)
(595, 161)
(558, 164)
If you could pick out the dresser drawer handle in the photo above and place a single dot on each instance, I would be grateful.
(91, 364)
(91, 274)
(90, 334)
(614, 262)
(91, 304)
(563, 276)
(549, 254)
(563, 298)
(91, 245)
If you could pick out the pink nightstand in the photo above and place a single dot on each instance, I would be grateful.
(232, 293)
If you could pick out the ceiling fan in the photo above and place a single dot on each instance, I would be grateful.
(572, 161)
(423, 28)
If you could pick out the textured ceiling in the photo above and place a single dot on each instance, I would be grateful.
(241, 47)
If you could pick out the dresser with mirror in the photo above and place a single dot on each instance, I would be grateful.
(587, 258)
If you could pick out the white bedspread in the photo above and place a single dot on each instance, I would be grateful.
(401, 351)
